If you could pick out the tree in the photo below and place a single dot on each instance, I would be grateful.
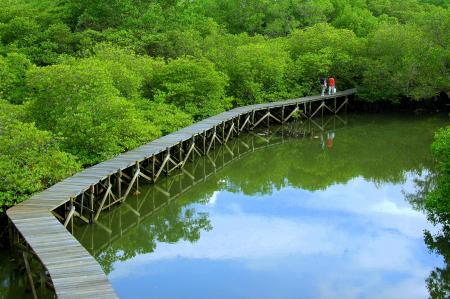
(402, 63)
(79, 102)
(322, 50)
(256, 69)
(30, 159)
(13, 69)
(193, 85)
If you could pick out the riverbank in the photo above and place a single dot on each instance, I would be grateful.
(437, 104)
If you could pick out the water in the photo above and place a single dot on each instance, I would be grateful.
(311, 210)
(293, 217)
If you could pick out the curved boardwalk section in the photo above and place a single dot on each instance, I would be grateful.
(43, 220)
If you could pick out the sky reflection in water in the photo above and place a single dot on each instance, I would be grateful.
(353, 240)
(335, 225)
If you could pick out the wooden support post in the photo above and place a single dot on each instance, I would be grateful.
(161, 168)
(69, 216)
(223, 130)
(130, 185)
(229, 133)
(145, 176)
(290, 114)
(188, 154)
(212, 142)
(153, 168)
(91, 203)
(102, 203)
(180, 152)
(195, 150)
(259, 121)
(342, 105)
(238, 125)
(275, 118)
(30, 277)
(245, 123)
(214, 137)
(317, 110)
(82, 204)
(253, 118)
(119, 183)
(168, 164)
(329, 109)
(323, 104)
(137, 170)
(204, 142)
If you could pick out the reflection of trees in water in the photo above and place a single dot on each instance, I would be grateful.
(438, 282)
(171, 224)
(380, 151)
(14, 283)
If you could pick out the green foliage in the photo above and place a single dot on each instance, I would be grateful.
(166, 117)
(106, 76)
(80, 103)
(323, 50)
(273, 18)
(30, 161)
(433, 198)
(13, 69)
(437, 203)
(415, 69)
(359, 20)
(193, 85)
(257, 72)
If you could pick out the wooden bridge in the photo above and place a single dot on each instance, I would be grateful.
(42, 222)
(118, 222)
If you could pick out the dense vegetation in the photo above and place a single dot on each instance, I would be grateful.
(433, 197)
(81, 81)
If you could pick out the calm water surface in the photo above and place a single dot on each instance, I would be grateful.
(312, 210)
(293, 213)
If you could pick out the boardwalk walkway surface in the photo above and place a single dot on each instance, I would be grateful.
(73, 271)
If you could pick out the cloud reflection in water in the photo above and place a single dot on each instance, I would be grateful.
(353, 240)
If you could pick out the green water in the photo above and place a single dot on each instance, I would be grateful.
(310, 210)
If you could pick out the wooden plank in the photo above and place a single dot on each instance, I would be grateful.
(74, 272)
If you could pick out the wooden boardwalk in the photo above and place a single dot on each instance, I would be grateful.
(117, 223)
(42, 221)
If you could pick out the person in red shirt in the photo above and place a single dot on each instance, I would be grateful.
(331, 87)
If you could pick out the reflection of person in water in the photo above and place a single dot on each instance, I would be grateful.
(328, 142)
(330, 139)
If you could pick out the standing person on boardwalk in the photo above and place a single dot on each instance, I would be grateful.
(323, 85)
(331, 87)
